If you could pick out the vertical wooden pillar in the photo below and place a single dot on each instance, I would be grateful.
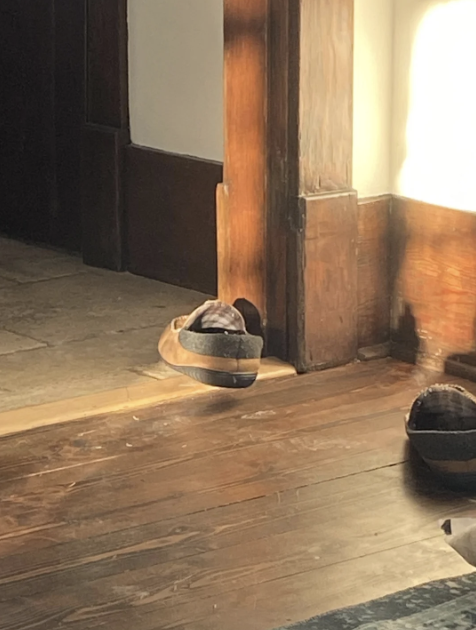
(106, 132)
(251, 220)
(322, 308)
(241, 199)
(287, 214)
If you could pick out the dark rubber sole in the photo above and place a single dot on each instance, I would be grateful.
(217, 379)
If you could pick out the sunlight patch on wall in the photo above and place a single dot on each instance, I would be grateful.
(440, 164)
(373, 23)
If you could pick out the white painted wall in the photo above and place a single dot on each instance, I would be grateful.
(176, 82)
(414, 93)
(434, 102)
(176, 76)
(372, 96)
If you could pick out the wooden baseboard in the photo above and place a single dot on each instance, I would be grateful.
(327, 281)
(433, 282)
(373, 318)
(171, 217)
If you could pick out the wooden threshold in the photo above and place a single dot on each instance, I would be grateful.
(122, 399)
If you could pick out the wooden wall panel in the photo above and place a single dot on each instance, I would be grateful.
(27, 132)
(433, 282)
(69, 78)
(105, 134)
(171, 218)
(330, 280)
(102, 198)
(41, 116)
(373, 271)
(107, 71)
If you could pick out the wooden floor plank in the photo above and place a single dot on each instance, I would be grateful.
(244, 509)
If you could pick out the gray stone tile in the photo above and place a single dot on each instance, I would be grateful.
(77, 368)
(13, 249)
(101, 327)
(158, 370)
(35, 264)
(6, 283)
(10, 343)
(91, 304)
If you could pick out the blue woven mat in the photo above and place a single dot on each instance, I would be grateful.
(444, 605)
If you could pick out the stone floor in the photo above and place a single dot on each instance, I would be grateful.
(68, 330)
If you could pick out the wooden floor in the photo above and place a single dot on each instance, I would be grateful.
(231, 511)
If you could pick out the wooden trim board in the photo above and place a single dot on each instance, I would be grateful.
(170, 214)
(373, 272)
(131, 398)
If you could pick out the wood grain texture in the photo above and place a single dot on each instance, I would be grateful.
(433, 281)
(330, 280)
(105, 133)
(277, 182)
(102, 197)
(242, 213)
(224, 511)
(171, 217)
(288, 136)
(373, 259)
(132, 398)
(107, 71)
(322, 267)
(325, 100)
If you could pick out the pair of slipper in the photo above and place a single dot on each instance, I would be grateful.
(212, 345)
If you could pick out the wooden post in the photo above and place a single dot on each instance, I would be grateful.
(323, 271)
(241, 219)
(105, 133)
(287, 214)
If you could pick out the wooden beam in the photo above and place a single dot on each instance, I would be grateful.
(322, 310)
(287, 214)
(106, 132)
(241, 220)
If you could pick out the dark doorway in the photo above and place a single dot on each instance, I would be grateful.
(42, 68)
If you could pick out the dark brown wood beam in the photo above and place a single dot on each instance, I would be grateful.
(106, 132)
(287, 214)
(322, 308)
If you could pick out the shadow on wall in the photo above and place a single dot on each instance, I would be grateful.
(405, 337)
(440, 136)
(406, 344)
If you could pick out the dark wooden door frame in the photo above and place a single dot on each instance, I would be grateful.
(286, 211)
(106, 133)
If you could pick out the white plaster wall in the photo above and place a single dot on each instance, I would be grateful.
(414, 95)
(176, 75)
(372, 96)
(434, 102)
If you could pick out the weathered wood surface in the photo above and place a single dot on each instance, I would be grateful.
(232, 510)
